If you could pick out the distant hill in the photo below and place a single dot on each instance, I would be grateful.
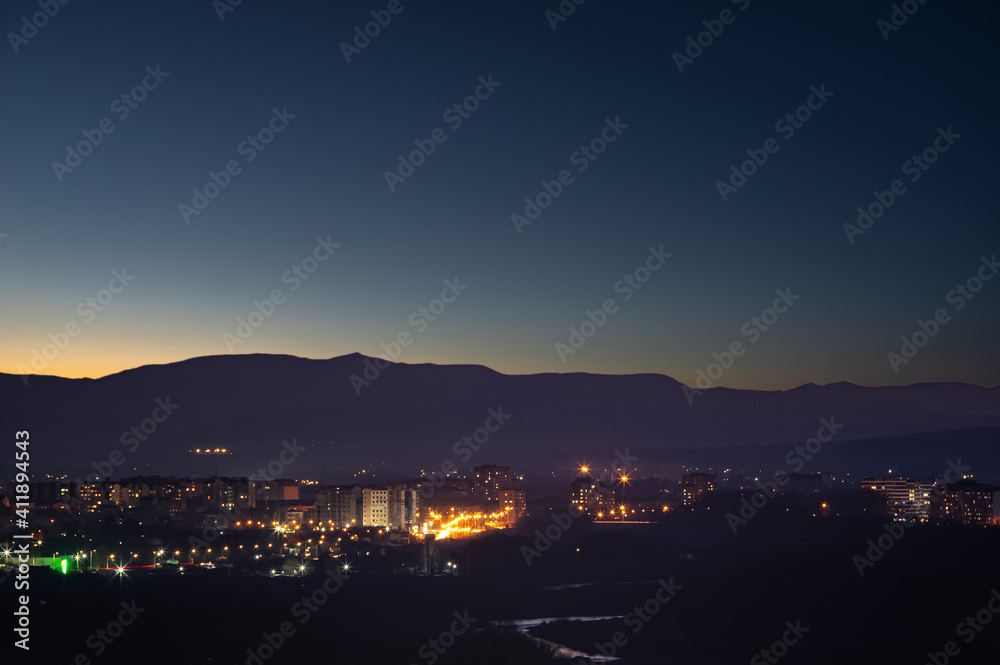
(409, 416)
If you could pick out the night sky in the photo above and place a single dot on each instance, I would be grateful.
(608, 64)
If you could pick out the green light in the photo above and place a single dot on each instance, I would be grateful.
(64, 566)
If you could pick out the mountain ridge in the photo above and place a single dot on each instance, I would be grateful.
(409, 415)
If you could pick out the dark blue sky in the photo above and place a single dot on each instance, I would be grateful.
(656, 184)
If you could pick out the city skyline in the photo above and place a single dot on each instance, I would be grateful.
(548, 332)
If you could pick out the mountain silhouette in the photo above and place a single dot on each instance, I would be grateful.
(405, 418)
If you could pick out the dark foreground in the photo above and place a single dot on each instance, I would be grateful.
(789, 585)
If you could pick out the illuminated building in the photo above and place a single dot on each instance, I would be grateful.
(230, 492)
(584, 495)
(895, 490)
(195, 488)
(276, 490)
(374, 507)
(45, 493)
(403, 507)
(124, 496)
(694, 485)
(905, 499)
(489, 479)
(965, 501)
(94, 497)
(336, 507)
(919, 501)
(303, 513)
(512, 503)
